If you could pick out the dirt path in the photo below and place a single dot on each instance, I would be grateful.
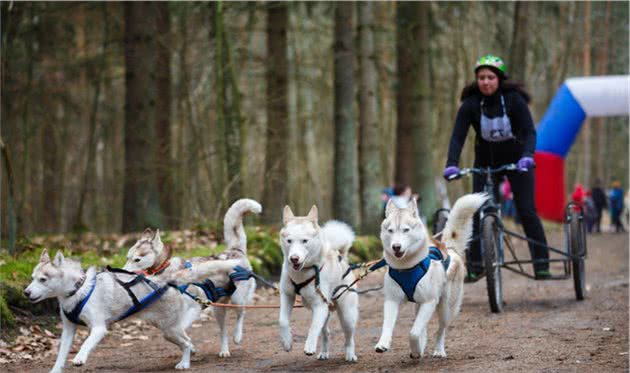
(543, 329)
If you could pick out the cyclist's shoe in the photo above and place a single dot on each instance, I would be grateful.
(473, 276)
(543, 274)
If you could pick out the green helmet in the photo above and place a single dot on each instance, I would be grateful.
(492, 61)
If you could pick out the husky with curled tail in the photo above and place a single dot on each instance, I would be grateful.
(151, 257)
(315, 264)
(422, 270)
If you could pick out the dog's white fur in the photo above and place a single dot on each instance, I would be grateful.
(304, 245)
(406, 242)
(150, 252)
(172, 313)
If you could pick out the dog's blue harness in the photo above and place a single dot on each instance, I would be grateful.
(214, 293)
(73, 316)
(138, 305)
(407, 279)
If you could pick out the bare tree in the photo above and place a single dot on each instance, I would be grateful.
(345, 194)
(141, 203)
(520, 36)
(414, 162)
(275, 188)
(369, 151)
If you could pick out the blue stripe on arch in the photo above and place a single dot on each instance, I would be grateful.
(561, 123)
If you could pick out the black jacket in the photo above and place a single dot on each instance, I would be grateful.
(494, 153)
(599, 198)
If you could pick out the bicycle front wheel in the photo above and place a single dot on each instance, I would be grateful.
(491, 244)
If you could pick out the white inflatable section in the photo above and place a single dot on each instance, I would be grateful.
(602, 96)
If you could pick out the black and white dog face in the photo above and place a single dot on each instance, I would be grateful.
(53, 278)
(299, 238)
(146, 252)
(402, 232)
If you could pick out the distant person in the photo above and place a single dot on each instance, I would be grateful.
(402, 196)
(578, 194)
(590, 212)
(600, 202)
(508, 199)
(497, 109)
(615, 199)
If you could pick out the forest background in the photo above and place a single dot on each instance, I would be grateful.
(121, 115)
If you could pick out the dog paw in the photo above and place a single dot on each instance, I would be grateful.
(183, 365)
(193, 350)
(380, 348)
(224, 354)
(238, 338)
(351, 357)
(287, 341)
(78, 361)
(415, 355)
(439, 354)
(322, 356)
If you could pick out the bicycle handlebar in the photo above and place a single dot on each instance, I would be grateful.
(485, 171)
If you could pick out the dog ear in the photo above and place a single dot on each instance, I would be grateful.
(413, 205)
(157, 239)
(59, 258)
(44, 258)
(391, 207)
(313, 214)
(287, 214)
(147, 234)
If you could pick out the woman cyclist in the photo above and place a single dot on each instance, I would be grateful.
(497, 110)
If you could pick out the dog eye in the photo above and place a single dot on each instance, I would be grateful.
(136, 260)
(406, 230)
(289, 241)
(390, 230)
(304, 241)
(42, 279)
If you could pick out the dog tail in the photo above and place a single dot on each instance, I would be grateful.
(458, 229)
(200, 271)
(233, 230)
(339, 236)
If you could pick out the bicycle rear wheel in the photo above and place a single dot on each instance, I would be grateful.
(490, 244)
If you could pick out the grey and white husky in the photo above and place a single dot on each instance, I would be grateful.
(150, 256)
(99, 299)
(314, 265)
(425, 271)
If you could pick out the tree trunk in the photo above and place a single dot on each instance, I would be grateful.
(141, 203)
(345, 194)
(164, 162)
(520, 35)
(275, 188)
(369, 152)
(414, 165)
(602, 69)
(586, 71)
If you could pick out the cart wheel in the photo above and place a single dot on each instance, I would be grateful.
(577, 246)
(490, 245)
(439, 220)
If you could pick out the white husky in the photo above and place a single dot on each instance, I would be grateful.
(150, 256)
(417, 273)
(99, 299)
(315, 262)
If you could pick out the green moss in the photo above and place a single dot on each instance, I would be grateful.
(7, 320)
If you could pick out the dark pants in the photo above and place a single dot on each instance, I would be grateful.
(523, 190)
(598, 219)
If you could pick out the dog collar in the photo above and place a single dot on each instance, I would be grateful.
(156, 271)
(73, 315)
(77, 286)
(299, 286)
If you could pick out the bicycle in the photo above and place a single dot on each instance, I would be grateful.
(493, 234)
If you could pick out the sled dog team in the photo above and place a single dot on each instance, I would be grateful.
(167, 291)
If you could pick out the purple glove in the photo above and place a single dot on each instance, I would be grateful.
(525, 163)
(451, 173)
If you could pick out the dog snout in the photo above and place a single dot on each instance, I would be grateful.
(27, 293)
(294, 259)
(396, 247)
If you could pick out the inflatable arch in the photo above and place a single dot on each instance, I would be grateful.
(577, 98)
